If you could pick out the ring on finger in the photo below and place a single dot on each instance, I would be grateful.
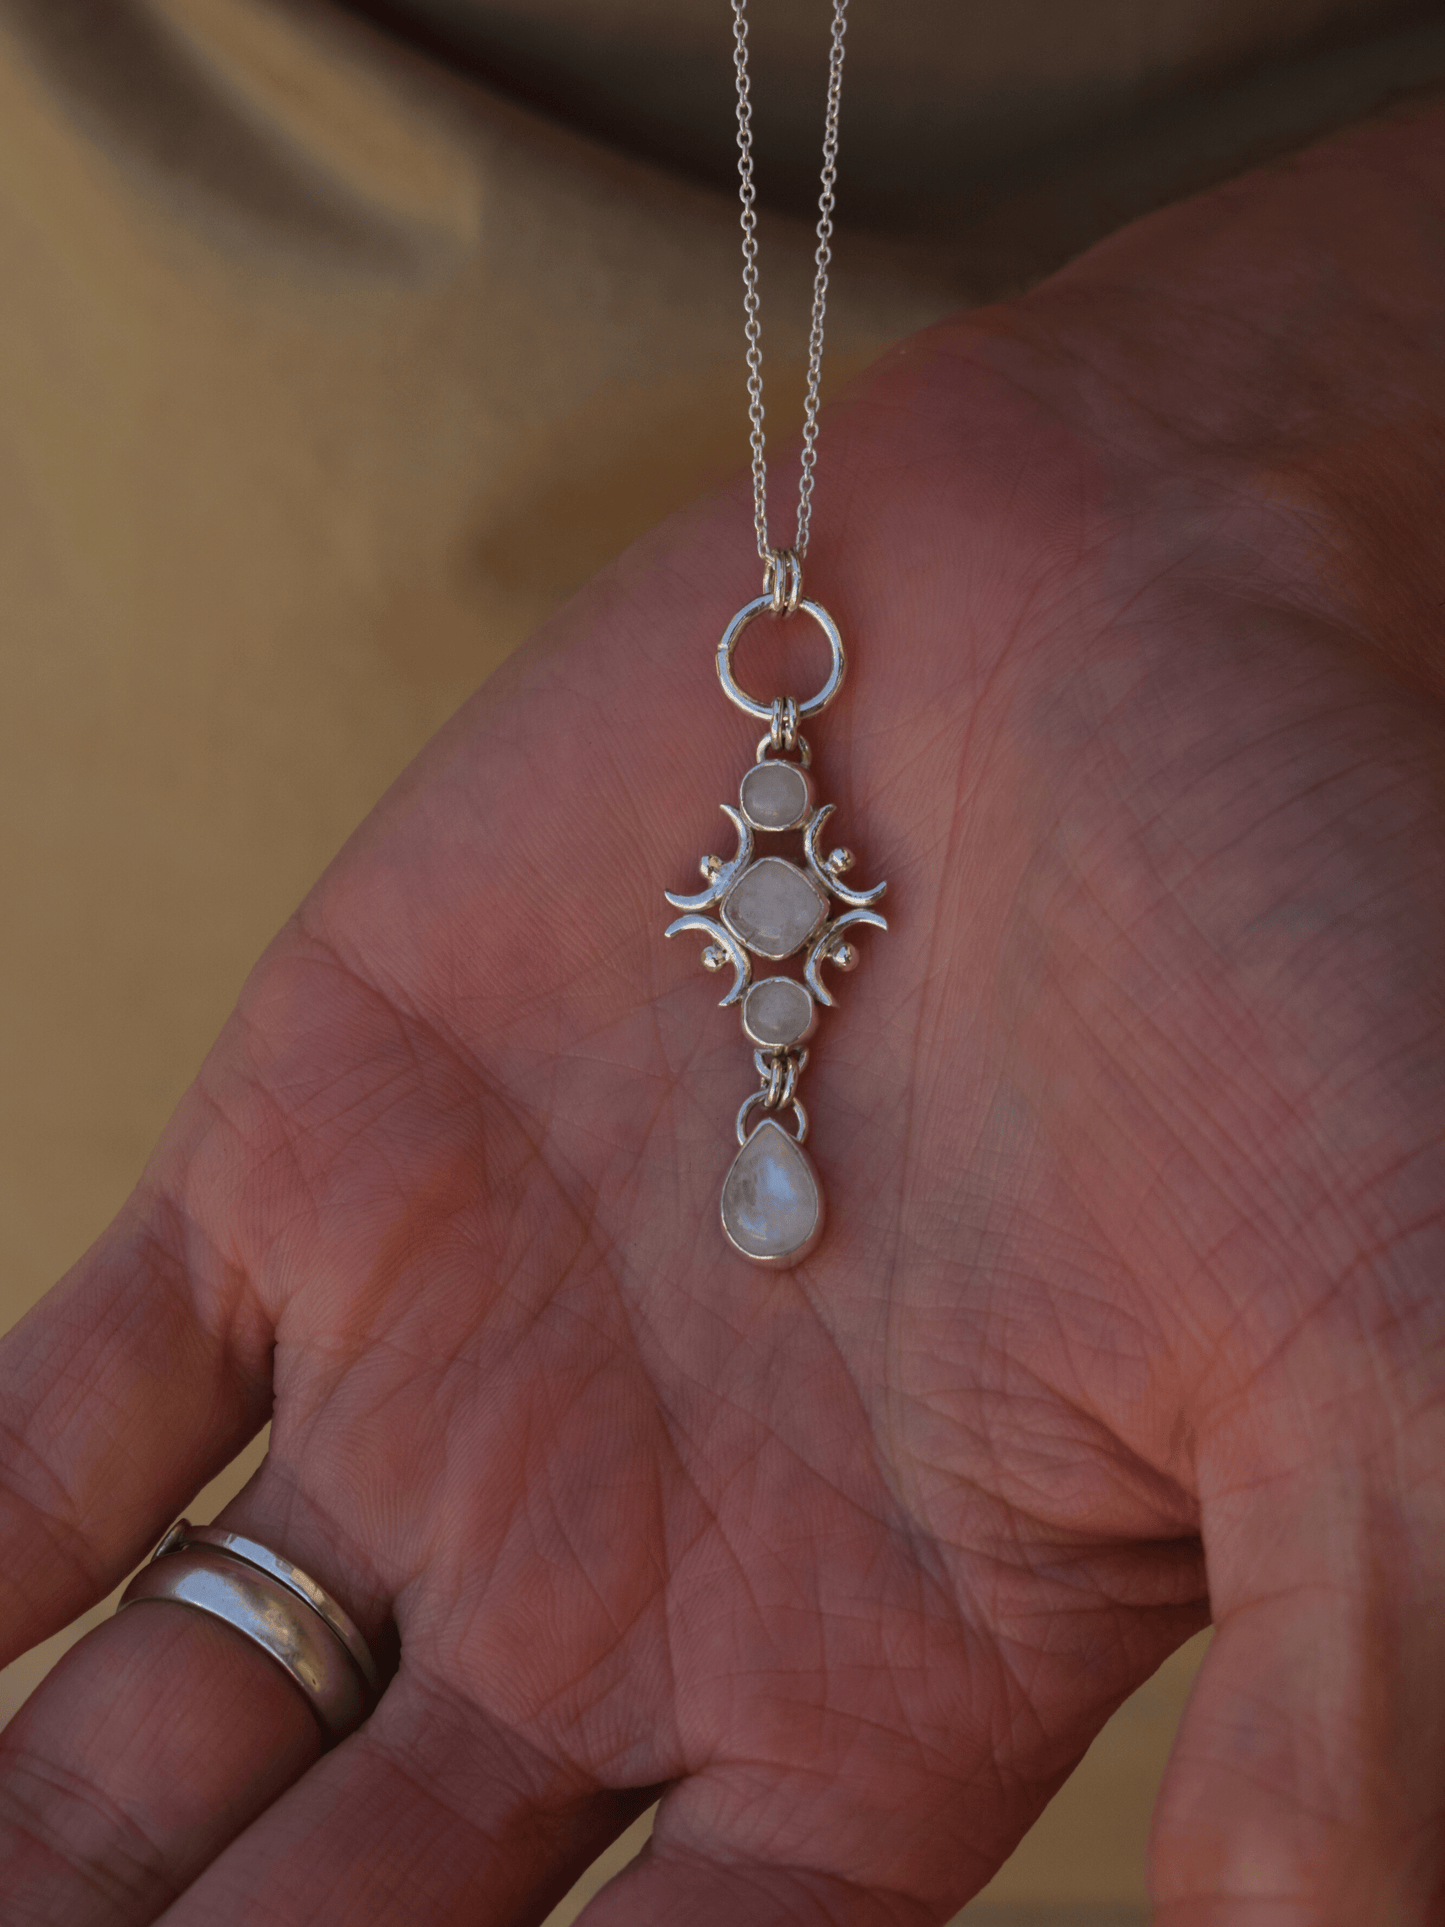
(275, 1605)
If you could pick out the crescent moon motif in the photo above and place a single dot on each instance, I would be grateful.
(818, 955)
(855, 899)
(726, 877)
(726, 942)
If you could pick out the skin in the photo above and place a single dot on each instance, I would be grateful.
(1133, 1126)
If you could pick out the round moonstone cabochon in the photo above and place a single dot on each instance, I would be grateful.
(778, 1013)
(772, 1204)
(775, 796)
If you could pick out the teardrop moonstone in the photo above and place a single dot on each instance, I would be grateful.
(772, 1204)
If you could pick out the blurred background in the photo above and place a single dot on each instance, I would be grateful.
(338, 344)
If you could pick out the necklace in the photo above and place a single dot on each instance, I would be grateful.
(766, 905)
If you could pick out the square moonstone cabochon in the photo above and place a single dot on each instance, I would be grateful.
(772, 1203)
(774, 907)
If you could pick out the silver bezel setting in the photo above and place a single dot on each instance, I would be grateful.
(758, 950)
(784, 1260)
(799, 818)
(771, 1043)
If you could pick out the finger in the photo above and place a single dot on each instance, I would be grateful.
(126, 1388)
(158, 1739)
(1307, 1783)
(430, 1813)
(151, 1745)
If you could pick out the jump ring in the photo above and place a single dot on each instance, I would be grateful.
(783, 731)
(783, 581)
(800, 745)
(794, 1063)
(797, 1064)
(750, 1103)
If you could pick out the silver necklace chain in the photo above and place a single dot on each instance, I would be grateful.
(782, 573)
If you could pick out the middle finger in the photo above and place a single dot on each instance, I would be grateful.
(153, 1742)
(431, 1813)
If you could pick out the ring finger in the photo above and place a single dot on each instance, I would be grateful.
(155, 1741)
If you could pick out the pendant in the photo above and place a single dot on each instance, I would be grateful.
(772, 1203)
(776, 908)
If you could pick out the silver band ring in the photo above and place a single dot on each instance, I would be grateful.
(764, 711)
(277, 1607)
(262, 1557)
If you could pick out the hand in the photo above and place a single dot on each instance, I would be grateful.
(1133, 1131)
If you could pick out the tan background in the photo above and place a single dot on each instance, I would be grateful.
(329, 363)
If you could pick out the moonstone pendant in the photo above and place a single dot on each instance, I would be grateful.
(772, 1203)
(777, 907)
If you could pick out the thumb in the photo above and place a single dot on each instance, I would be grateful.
(1306, 1784)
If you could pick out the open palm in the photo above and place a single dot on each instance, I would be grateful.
(1128, 1312)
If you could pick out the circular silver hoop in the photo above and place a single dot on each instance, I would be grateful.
(764, 711)
(800, 1135)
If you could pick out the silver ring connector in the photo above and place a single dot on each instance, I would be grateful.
(783, 728)
(783, 581)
